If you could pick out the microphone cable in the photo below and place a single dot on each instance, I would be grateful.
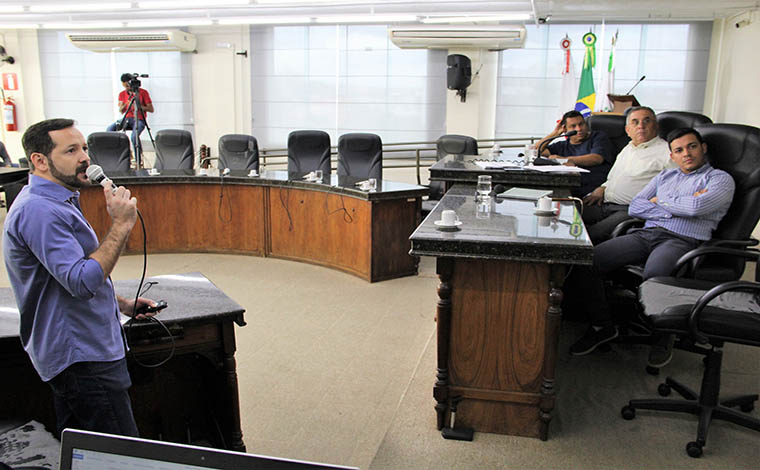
(153, 319)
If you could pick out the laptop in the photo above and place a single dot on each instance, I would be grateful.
(85, 450)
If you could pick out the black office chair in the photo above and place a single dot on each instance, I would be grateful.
(703, 317)
(174, 150)
(238, 152)
(448, 144)
(308, 151)
(110, 150)
(614, 126)
(670, 120)
(360, 155)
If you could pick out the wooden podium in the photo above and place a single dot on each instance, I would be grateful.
(622, 102)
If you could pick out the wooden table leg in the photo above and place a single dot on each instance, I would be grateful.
(444, 269)
(553, 318)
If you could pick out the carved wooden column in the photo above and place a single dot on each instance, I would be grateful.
(553, 319)
(230, 372)
(444, 269)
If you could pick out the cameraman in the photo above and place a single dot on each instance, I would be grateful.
(145, 105)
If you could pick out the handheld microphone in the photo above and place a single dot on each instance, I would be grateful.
(637, 84)
(96, 175)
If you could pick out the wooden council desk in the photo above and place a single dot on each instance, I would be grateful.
(332, 224)
(193, 397)
(499, 310)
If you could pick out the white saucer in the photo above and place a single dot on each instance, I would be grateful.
(549, 212)
(442, 226)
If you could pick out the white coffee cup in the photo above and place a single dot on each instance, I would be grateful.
(545, 204)
(449, 217)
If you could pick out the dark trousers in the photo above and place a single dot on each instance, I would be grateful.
(658, 249)
(94, 396)
(602, 219)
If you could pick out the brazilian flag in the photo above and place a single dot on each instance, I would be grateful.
(586, 94)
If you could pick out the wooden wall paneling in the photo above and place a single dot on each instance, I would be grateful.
(322, 228)
(189, 217)
(392, 224)
(498, 344)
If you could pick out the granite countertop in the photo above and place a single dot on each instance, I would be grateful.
(332, 183)
(504, 229)
(463, 169)
(191, 298)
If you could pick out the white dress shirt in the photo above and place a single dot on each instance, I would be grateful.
(634, 167)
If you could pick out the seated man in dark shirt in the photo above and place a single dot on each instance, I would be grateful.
(590, 150)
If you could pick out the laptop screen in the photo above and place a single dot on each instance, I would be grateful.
(84, 450)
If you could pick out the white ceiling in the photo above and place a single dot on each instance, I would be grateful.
(553, 10)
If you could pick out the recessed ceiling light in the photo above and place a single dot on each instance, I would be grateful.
(266, 20)
(456, 18)
(383, 18)
(189, 3)
(12, 9)
(63, 7)
(169, 22)
(92, 25)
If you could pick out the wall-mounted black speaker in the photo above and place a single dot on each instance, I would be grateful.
(458, 73)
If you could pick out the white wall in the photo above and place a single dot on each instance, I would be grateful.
(733, 73)
(221, 84)
(22, 46)
(476, 116)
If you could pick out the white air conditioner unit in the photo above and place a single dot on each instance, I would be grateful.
(494, 37)
(173, 40)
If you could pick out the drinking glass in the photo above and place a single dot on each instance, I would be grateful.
(484, 187)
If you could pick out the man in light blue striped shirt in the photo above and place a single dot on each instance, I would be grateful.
(681, 206)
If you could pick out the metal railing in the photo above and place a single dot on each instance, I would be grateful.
(416, 155)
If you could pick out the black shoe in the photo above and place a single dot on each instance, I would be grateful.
(592, 339)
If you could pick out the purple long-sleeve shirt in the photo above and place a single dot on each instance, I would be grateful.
(677, 209)
(69, 312)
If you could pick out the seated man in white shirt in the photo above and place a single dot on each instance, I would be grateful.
(639, 161)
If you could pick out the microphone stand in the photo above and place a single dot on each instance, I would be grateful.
(545, 160)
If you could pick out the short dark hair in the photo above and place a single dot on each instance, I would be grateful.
(571, 114)
(125, 77)
(632, 109)
(37, 139)
(678, 133)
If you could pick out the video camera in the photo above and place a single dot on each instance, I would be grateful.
(133, 82)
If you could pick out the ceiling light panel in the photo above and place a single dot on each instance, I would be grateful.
(458, 18)
(390, 18)
(11, 9)
(168, 4)
(266, 20)
(169, 22)
(64, 7)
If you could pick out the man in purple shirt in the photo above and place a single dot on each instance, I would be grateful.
(681, 206)
(60, 277)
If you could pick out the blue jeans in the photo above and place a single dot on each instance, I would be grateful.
(130, 125)
(94, 396)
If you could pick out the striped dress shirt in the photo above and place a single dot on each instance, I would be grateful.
(677, 209)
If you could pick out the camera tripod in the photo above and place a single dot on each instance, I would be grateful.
(134, 106)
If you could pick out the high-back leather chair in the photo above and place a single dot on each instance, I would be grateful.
(614, 126)
(735, 149)
(360, 155)
(110, 150)
(174, 150)
(448, 144)
(238, 152)
(671, 120)
(309, 150)
(12, 189)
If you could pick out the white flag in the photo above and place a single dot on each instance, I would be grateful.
(608, 81)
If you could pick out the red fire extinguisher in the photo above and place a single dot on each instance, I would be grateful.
(9, 115)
